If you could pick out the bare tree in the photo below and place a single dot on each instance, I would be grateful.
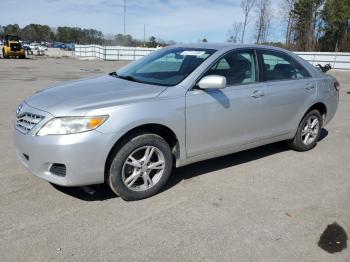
(286, 8)
(263, 12)
(246, 6)
(234, 32)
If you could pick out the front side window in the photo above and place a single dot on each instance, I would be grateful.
(166, 67)
(279, 66)
(239, 67)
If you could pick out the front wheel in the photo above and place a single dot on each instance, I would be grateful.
(308, 132)
(140, 167)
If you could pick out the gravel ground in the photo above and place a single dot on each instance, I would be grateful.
(266, 204)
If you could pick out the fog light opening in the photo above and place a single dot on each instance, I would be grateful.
(58, 169)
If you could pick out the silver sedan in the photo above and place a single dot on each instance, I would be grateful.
(179, 105)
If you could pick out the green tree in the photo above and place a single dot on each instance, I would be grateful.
(11, 29)
(306, 14)
(78, 35)
(126, 40)
(336, 31)
(37, 33)
(152, 42)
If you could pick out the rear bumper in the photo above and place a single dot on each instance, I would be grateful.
(331, 102)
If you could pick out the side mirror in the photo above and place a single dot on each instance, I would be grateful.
(212, 82)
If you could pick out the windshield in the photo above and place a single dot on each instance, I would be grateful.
(166, 67)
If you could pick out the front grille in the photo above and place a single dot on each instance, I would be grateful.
(26, 121)
(58, 170)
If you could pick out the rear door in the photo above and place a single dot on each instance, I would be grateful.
(290, 89)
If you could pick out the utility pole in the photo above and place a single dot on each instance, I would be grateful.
(144, 35)
(124, 15)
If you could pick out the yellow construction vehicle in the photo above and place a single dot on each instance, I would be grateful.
(12, 47)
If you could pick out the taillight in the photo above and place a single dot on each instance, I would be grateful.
(337, 85)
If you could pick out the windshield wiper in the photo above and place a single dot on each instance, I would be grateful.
(114, 74)
(131, 78)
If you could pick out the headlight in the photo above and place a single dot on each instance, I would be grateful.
(71, 125)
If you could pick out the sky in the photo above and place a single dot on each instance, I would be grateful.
(185, 21)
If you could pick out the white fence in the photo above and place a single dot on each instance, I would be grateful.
(111, 52)
(337, 60)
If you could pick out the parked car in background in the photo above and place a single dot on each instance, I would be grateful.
(177, 106)
(36, 46)
(57, 45)
(68, 47)
(27, 49)
(37, 49)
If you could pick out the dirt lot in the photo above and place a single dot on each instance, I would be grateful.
(266, 204)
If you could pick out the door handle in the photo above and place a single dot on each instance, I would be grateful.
(309, 86)
(257, 94)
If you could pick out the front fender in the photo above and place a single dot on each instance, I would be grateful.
(164, 111)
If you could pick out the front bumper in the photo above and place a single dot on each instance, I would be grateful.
(84, 154)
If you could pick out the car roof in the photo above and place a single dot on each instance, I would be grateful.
(219, 46)
(224, 47)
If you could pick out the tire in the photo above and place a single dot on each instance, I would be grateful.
(308, 132)
(131, 175)
(3, 54)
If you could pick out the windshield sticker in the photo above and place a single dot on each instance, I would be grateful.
(192, 53)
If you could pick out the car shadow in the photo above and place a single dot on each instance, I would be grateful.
(323, 135)
(102, 192)
(207, 166)
(98, 192)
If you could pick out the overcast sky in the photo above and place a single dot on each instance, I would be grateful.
(179, 20)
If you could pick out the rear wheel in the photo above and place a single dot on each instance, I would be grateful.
(140, 167)
(308, 132)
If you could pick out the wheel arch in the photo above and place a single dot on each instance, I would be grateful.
(319, 106)
(154, 128)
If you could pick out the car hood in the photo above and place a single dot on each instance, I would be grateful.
(87, 94)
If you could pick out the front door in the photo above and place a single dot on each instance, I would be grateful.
(221, 119)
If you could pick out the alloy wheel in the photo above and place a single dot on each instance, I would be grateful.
(310, 130)
(143, 168)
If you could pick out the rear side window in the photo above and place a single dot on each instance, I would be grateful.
(239, 67)
(278, 66)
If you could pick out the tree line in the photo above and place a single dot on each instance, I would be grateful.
(310, 25)
(65, 34)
